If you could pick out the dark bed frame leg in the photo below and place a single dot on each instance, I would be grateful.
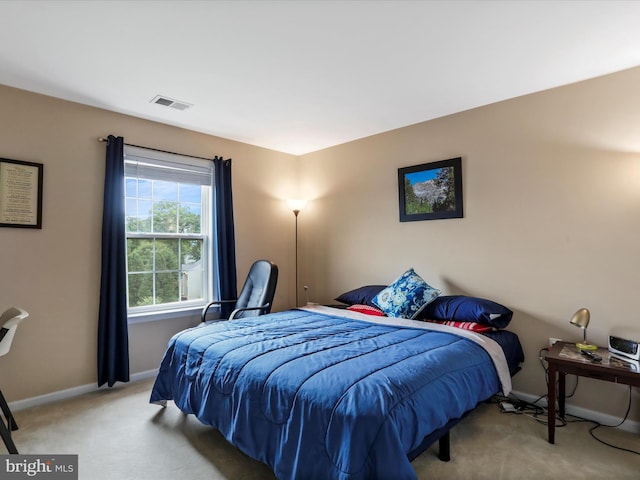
(444, 441)
(444, 448)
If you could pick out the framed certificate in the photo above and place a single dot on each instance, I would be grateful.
(20, 194)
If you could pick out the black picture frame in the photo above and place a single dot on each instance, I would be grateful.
(440, 190)
(20, 194)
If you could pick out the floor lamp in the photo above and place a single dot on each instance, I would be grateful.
(296, 206)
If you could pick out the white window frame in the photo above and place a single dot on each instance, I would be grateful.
(158, 161)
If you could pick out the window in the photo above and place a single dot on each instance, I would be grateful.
(168, 230)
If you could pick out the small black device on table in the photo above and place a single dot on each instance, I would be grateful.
(591, 356)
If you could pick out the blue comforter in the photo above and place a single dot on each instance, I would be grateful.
(318, 396)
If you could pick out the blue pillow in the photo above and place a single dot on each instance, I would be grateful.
(461, 308)
(406, 296)
(361, 295)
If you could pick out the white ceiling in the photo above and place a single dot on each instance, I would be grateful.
(301, 76)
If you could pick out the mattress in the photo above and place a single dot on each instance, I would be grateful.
(327, 394)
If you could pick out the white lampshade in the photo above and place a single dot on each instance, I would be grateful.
(296, 205)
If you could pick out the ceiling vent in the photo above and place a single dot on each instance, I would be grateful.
(169, 102)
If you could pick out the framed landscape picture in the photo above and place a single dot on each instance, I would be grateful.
(431, 191)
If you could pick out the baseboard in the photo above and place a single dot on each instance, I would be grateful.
(602, 418)
(72, 392)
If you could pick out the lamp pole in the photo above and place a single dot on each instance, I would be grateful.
(296, 212)
(296, 206)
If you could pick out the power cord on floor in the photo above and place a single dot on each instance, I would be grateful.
(591, 430)
(598, 425)
(514, 405)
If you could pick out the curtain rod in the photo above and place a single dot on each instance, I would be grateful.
(105, 140)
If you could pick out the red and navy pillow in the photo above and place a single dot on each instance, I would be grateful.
(462, 308)
(471, 326)
(366, 309)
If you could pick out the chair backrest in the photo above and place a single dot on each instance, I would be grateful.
(259, 288)
(9, 322)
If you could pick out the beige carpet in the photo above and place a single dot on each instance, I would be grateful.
(119, 435)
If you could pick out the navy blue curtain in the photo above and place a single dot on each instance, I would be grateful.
(113, 335)
(224, 234)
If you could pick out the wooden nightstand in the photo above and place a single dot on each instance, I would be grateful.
(564, 358)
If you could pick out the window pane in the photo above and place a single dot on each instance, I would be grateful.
(167, 254)
(167, 287)
(144, 188)
(131, 187)
(165, 217)
(139, 255)
(140, 289)
(192, 271)
(191, 252)
(190, 193)
(191, 288)
(165, 191)
(131, 214)
(144, 215)
(131, 224)
(131, 207)
(138, 215)
(189, 218)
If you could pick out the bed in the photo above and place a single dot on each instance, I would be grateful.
(327, 393)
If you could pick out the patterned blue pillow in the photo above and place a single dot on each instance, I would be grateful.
(406, 296)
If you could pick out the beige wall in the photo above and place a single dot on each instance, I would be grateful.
(54, 273)
(552, 221)
(551, 216)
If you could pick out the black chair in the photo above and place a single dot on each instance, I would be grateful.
(9, 322)
(256, 296)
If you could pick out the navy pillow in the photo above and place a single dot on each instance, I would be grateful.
(361, 296)
(461, 308)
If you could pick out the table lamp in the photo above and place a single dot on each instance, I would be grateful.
(581, 319)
